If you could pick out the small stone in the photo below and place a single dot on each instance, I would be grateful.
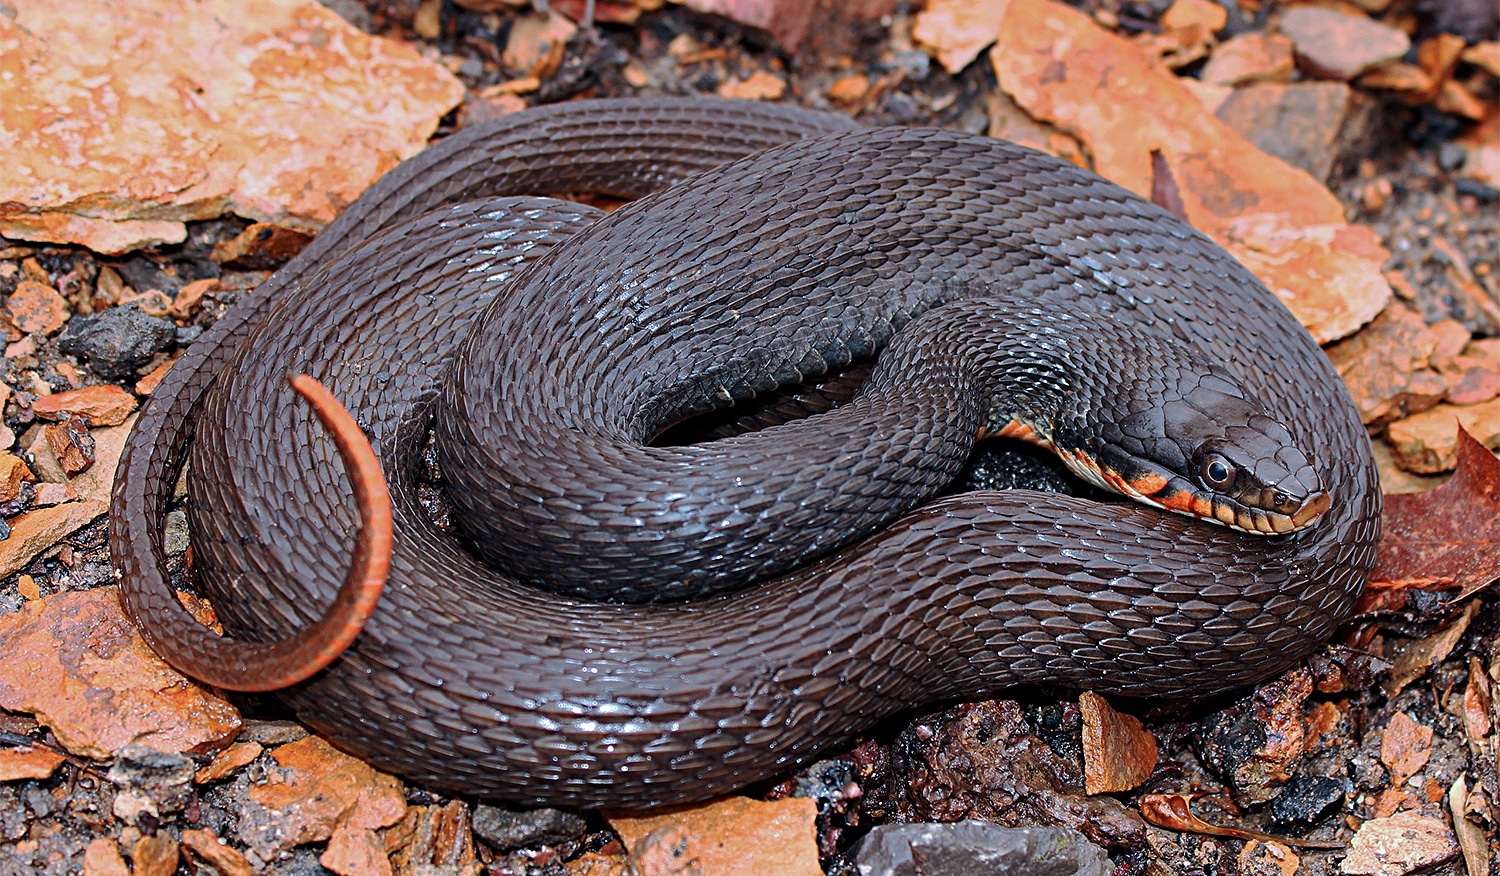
(1306, 800)
(1474, 375)
(227, 761)
(190, 297)
(1255, 744)
(27, 587)
(154, 856)
(28, 762)
(1398, 845)
(1339, 45)
(164, 778)
(261, 247)
(1255, 56)
(35, 307)
(1187, 13)
(535, 41)
(439, 836)
(1405, 747)
(103, 858)
(1305, 124)
(117, 341)
(762, 85)
(71, 445)
(13, 473)
(1427, 443)
(102, 405)
(1119, 753)
(1398, 76)
(969, 847)
(849, 89)
(507, 829)
(214, 852)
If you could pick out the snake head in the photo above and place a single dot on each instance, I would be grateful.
(1210, 451)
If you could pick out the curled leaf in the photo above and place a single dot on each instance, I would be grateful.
(1171, 811)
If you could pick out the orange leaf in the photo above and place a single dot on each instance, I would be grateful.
(1447, 537)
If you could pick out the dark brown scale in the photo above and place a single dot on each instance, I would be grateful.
(468, 680)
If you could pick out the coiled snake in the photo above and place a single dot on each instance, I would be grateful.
(1009, 292)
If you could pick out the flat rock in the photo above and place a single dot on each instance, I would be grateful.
(1067, 71)
(956, 31)
(1386, 366)
(507, 829)
(1427, 443)
(126, 120)
(1332, 44)
(735, 836)
(969, 847)
(1255, 56)
(316, 790)
(28, 762)
(76, 662)
(35, 531)
(1398, 845)
(102, 405)
(1306, 124)
(36, 307)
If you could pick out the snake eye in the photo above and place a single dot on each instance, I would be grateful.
(1217, 472)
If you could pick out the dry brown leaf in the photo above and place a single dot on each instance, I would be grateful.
(1171, 811)
(1447, 537)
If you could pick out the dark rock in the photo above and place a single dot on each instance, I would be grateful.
(117, 341)
(1316, 126)
(507, 829)
(969, 847)
(981, 761)
(1306, 800)
(142, 274)
(164, 778)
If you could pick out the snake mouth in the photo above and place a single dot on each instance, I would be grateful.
(1263, 512)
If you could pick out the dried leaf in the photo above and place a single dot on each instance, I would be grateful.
(1413, 659)
(1471, 839)
(1171, 811)
(1477, 703)
(1447, 537)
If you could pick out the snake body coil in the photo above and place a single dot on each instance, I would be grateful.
(763, 269)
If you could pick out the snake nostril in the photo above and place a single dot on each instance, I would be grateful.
(1281, 500)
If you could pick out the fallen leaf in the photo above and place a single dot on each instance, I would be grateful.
(1446, 537)
(1414, 658)
(1478, 703)
(1471, 839)
(1119, 753)
(1172, 812)
(736, 836)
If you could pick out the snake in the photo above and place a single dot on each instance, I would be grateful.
(578, 613)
